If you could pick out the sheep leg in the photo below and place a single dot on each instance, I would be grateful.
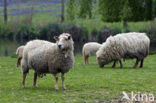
(35, 79)
(114, 64)
(141, 64)
(136, 64)
(63, 86)
(87, 59)
(18, 61)
(120, 63)
(56, 79)
(24, 77)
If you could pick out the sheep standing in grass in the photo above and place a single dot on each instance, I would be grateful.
(50, 58)
(19, 51)
(88, 49)
(126, 45)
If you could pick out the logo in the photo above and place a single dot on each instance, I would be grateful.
(144, 97)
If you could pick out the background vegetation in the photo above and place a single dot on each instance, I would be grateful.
(86, 20)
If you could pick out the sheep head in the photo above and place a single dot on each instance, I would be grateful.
(64, 42)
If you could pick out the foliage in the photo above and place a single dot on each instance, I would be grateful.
(110, 10)
(70, 10)
(104, 33)
(126, 12)
(79, 34)
(148, 10)
(151, 31)
(49, 31)
(133, 10)
(93, 35)
(25, 32)
(85, 8)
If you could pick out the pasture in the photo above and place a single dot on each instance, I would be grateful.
(85, 83)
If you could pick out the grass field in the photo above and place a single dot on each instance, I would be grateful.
(85, 83)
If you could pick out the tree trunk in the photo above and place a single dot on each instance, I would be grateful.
(62, 11)
(5, 12)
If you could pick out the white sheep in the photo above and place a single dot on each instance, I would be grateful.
(49, 58)
(19, 52)
(88, 49)
(125, 45)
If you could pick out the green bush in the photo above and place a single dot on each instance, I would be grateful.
(79, 34)
(49, 31)
(14, 55)
(93, 35)
(104, 33)
(25, 32)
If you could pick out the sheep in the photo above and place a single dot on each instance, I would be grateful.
(88, 49)
(19, 52)
(125, 45)
(50, 58)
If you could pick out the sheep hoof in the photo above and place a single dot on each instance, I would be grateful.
(56, 88)
(23, 86)
(64, 88)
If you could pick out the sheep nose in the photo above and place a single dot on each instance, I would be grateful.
(59, 46)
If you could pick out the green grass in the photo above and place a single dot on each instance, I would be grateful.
(85, 83)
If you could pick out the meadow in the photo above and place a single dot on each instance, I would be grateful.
(85, 83)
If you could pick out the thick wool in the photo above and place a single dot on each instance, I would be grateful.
(125, 45)
(90, 48)
(48, 58)
(29, 47)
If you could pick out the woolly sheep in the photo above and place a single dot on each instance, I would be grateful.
(19, 51)
(125, 45)
(35, 44)
(50, 58)
(88, 49)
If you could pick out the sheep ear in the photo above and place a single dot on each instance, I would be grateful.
(56, 38)
(69, 37)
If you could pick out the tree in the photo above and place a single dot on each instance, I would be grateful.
(154, 8)
(126, 12)
(62, 10)
(70, 9)
(5, 12)
(138, 10)
(148, 10)
(85, 8)
(110, 10)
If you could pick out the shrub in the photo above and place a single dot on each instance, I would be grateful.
(26, 32)
(151, 31)
(49, 31)
(4, 30)
(104, 34)
(93, 35)
(79, 34)
(14, 55)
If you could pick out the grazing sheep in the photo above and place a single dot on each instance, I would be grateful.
(126, 45)
(50, 58)
(88, 49)
(19, 51)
